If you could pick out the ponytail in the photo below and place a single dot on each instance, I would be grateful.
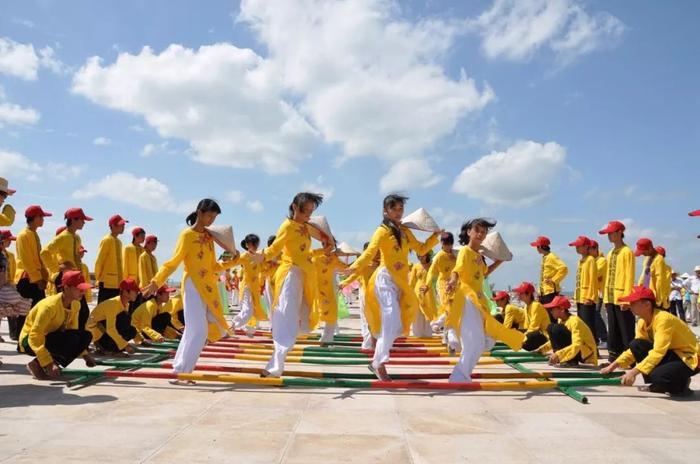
(205, 206)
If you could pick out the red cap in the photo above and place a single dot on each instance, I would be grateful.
(74, 279)
(581, 241)
(593, 243)
(82, 249)
(613, 226)
(661, 250)
(129, 284)
(60, 229)
(35, 210)
(525, 287)
(558, 302)
(6, 235)
(643, 244)
(137, 230)
(694, 213)
(76, 213)
(638, 293)
(166, 289)
(541, 241)
(117, 220)
(501, 296)
(151, 238)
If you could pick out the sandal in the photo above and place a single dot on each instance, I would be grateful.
(180, 382)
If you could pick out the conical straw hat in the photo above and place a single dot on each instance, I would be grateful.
(421, 220)
(320, 229)
(345, 248)
(495, 248)
(223, 236)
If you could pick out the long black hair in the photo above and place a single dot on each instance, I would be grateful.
(470, 224)
(205, 206)
(302, 198)
(389, 202)
(250, 239)
(271, 239)
(447, 238)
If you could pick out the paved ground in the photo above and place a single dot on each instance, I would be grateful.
(135, 420)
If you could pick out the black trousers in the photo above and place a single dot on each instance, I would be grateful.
(125, 329)
(560, 337)
(587, 313)
(106, 293)
(27, 290)
(64, 345)
(544, 299)
(160, 322)
(601, 330)
(181, 316)
(620, 330)
(534, 340)
(499, 317)
(677, 309)
(671, 374)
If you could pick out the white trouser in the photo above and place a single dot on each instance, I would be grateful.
(452, 339)
(234, 297)
(421, 326)
(328, 332)
(474, 342)
(246, 311)
(694, 312)
(195, 335)
(367, 339)
(285, 320)
(388, 296)
(267, 294)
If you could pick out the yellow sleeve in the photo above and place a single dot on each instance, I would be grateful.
(168, 267)
(101, 261)
(626, 359)
(141, 320)
(111, 327)
(433, 270)
(275, 248)
(23, 254)
(663, 334)
(368, 255)
(589, 283)
(629, 270)
(560, 270)
(48, 255)
(568, 353)
(37, 337)
(129, 258)
(7, 216)
(419, 247)
(173, 309)
(86, 276)
(11, 268)
(508, 318)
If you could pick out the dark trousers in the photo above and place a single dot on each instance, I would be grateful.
(106, 293)
(125, 329)
(64, 345)
(587, 313)
(601, 330)
(620, 330)
(181, 316)
(499, 317)
(160, 322)
(544, 299)
(560, 338)
(677, 309)
(534, 340)
(671, 374)
(27, 290)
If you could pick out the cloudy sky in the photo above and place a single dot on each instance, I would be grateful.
(552, 116)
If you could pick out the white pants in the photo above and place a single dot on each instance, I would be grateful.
(474, 342)
(291, 309)
(421, 326)
(367, 339)
(452, 339)
(694, 313)
(234, 297)
(195, 335)
(388, 296)
(246, 311)
(328, 332)
(267, 295)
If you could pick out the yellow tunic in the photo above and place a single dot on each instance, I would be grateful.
(250, 280)
(108, 266)
(582, 341)
(426, 300)
(537, 318)
(130, 258)
(86, 276)
(660, 280)
(620, 275)
(142, 318)
(28, 256)
(554, 269)
(148, 267)
(441, 268)
(7, 216)
(11, 267)
(196, 251)
(666, 332)
(395, 259)
(601, 264)
(103, 319)
(267, 272)
(326, 297)
(586, 281)
(512, 315)
(63, 248)
(45, 317)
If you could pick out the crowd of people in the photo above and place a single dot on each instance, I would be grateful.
(46, 290)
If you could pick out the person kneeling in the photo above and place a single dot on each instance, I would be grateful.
(536, 318)
(51, 332)
(152, 319)
(664, 348)
(510, 316)
(571, 339)
(110, 322)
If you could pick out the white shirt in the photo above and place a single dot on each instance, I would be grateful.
(676, 285)
(693, 284)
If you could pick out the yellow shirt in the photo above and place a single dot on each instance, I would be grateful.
(666, 332)
(48, 315)
(512, 316)
(142, 317)
(395, 259)
(29, 257)
(63, 248)
(174, 306)
(554, 269)
(601, 271)
(586, 281)
(196, 251)
(148, 267)
(11, 267)
(130, 258)
(427, 299)
(108, 266)
(659, 281)
(582, 341)
(250, 281)
(536, 318)
(327, 292)
(441, 268)
(620, 275)
(7, 216)
(103, 319)
(86, 276)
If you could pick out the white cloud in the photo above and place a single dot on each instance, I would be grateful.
(62, 171)
(155, 148)
(234, 196)
(21, 60)
(319, 186)
(48, 60)
(145, 192)
(256, 206)
(15, 114)
(102, 141)
(519, 176)
(408, 174)
(24, 22)
(136, 128)
(516, 29)
(16, 165)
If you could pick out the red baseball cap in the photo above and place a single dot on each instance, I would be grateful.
(7, 235)
(661, 250)
(558, 302)
(117, 220)
(166, 289)
(76, 213)
(694, 213)
(35, 210)
(129, 284)
(501, 296)
(581, 241)
(639, 293)
(593, 243)
(613, 226)
(137, 230)
(74, 279)
(643, 244)
(525, 287)
(151, 238)
(60, 229)
(541, 241)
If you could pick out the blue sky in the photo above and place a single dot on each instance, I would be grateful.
(551, 116)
